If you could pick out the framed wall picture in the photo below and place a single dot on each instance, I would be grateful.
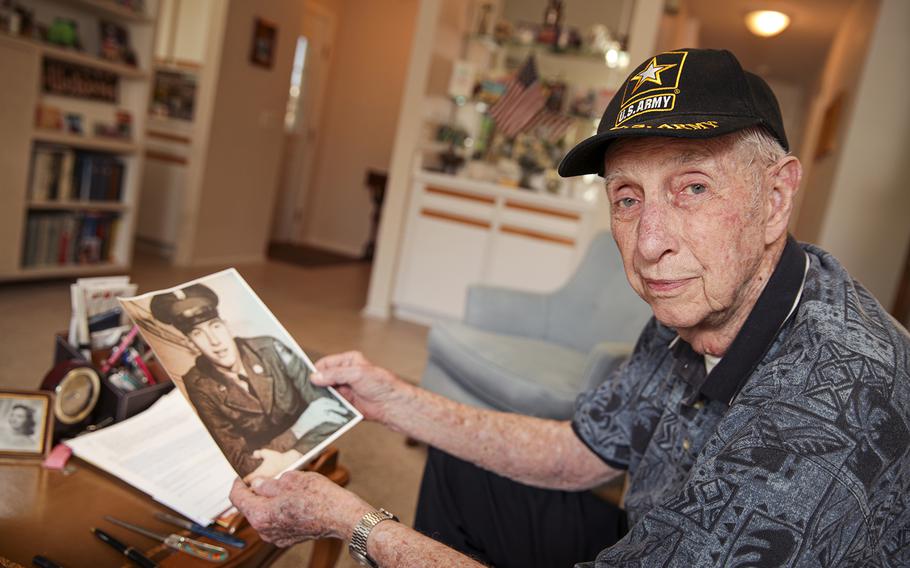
(26, 423)
(262, 50)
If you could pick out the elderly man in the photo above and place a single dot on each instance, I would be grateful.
(763, 416)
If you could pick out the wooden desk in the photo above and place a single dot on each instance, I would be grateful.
(50, 512)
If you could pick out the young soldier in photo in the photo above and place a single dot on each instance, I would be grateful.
(253, 394)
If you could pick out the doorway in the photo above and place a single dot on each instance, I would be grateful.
(306, 97)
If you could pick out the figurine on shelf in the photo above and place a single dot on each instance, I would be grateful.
(48, 117)
(25, 20)
(65, 33)
(529, 168)
(450, 161)
(485, 15)
(552, 23)
(74, 123)
(115, 43)
(124, 124)
(502, 31)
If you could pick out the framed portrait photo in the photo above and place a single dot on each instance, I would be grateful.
(262, 50)
(26, 423)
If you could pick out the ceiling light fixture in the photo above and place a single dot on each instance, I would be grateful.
(767, 23)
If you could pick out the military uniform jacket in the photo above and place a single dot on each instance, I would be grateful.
(242, 422)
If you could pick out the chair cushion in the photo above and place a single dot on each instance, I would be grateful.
(510, 373)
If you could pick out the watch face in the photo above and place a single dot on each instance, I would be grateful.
(77, 394)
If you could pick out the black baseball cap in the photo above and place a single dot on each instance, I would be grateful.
(686, 93)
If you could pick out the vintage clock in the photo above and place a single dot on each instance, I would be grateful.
(76, 387)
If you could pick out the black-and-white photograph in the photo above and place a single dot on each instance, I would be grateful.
(24, 423)
(242, 372)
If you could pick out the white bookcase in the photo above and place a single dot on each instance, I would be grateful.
(21, 74)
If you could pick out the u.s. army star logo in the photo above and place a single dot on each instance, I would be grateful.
(651, 73)
(654, 88)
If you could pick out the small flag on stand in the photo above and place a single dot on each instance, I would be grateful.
(522, 101)
(549, 125)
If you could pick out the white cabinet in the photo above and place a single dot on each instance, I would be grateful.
(527, 263)
(461, 232)
(447, 256)
(183, 28)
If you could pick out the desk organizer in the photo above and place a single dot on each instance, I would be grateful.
(114, 402)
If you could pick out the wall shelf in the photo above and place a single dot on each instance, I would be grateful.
(86, 142)
(81, 58)
(110, 8)
(63, 270)
(77, 206)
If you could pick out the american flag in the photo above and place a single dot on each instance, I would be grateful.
(522, 101)
(549, 125)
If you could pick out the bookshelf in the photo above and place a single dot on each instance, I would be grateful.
(71, 187)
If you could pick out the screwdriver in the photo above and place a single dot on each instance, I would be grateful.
(177, 542)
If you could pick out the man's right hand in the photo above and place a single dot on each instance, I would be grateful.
(371, 389)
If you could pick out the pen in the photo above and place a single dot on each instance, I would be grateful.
(44, 562)
(128, 551)
(124, 343)
(202, 531)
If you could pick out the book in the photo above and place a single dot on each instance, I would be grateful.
(42, 174)
(65, 190)
(164, 452)
(61, 238)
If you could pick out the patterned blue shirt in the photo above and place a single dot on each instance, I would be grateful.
(793, 451)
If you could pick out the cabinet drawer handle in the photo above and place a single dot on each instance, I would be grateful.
(537, 235)
(543, 210)
(460, 195)
(454, 218)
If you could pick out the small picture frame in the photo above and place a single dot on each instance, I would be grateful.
(26, 423)
(262, 50)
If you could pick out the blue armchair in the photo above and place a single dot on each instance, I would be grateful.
(533, 353)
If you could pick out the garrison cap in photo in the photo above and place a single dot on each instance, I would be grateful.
(687, 93)
(186, 307)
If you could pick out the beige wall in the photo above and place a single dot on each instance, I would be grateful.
(244, 141)
(840, 75)
(363, 98)
(867, 225)
(791, 98)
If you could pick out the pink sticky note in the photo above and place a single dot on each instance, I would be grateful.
(58, 457)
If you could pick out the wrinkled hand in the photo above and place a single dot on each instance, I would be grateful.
(273, 463)
(371, 389)
(320, 411)
(298, 506)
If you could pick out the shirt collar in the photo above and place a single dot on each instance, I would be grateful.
(775, 305)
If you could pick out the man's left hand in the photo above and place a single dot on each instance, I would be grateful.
(298, 506)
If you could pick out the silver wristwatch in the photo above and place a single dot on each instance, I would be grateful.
(358, 544)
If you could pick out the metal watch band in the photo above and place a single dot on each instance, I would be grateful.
(358, 545)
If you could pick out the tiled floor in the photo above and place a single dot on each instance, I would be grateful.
(320, 307)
